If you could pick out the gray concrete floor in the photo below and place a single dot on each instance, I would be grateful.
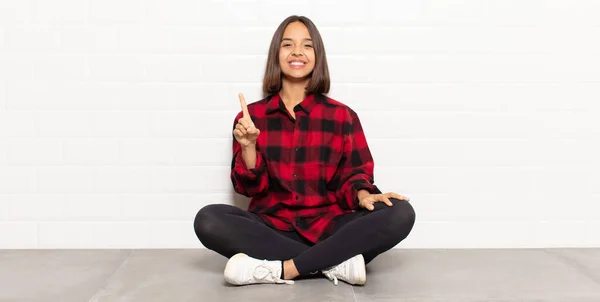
(398, 275)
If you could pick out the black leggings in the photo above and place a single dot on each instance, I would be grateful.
(228, 230)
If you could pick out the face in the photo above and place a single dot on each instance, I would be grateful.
(296, 52)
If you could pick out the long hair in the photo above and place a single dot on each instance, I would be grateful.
(319, 78)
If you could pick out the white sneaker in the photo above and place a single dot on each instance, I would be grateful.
(352, 271)
(242, 269)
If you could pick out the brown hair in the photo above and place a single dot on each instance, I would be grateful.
(319, 79)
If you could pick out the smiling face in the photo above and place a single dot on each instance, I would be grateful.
(296, 55)
(296, 52)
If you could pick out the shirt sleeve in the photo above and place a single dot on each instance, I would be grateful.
(356, 171)
(248, 182)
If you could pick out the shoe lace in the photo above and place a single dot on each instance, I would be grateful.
(265, 272)
(332, 273)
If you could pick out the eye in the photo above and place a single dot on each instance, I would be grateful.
(286, 44)
(308, 45)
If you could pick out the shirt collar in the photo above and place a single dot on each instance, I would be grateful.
(276, 103)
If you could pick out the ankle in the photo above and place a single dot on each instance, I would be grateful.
(289, 270)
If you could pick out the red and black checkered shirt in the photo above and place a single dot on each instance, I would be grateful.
(308, 168)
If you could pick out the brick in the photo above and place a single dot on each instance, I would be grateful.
(122, 179)
(17, 179)
(147, 151)
(65, 67)
(193, 124)
(116, 68)
(15, 12)
(60, 12)
(65, 123)
(18, 235)
(33, 207)
(186, 179)
(32, 39)
(64, 179)
(34, 151)
(90, 151)
(115, 12)
(17, 124)
(121, 124)
(92, 207)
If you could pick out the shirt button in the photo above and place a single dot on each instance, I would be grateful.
(296, 149)
(294, 174)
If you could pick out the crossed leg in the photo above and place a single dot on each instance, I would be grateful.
(228, 230)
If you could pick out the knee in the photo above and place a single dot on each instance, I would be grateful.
(405, 211)
(206, 223)
(401, 218)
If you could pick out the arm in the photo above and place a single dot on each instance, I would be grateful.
(357, 166)
(249, 174)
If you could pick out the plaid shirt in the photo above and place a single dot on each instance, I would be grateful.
(308, 169)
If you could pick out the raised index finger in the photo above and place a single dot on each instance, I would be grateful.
(244, 106)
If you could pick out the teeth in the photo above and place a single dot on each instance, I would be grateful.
(297, 63)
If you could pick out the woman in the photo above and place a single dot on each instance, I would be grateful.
(303, 159)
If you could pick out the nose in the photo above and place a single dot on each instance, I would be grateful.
(297, 51)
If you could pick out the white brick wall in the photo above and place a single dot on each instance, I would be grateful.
(115, 116)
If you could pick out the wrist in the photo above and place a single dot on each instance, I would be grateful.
(362, 194)
(249, 155)
(249, 147)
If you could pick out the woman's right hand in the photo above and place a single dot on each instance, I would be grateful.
(245, 132)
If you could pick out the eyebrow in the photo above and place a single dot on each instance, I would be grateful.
(290, 39)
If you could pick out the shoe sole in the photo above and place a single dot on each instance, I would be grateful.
(231, 266)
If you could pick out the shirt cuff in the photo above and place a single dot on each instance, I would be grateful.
(241, 169)
(364, 185)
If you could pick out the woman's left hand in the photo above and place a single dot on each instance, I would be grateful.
(368, 200)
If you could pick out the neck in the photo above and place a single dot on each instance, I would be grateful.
(293, 92)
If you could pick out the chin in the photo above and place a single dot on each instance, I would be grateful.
(292, 76)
